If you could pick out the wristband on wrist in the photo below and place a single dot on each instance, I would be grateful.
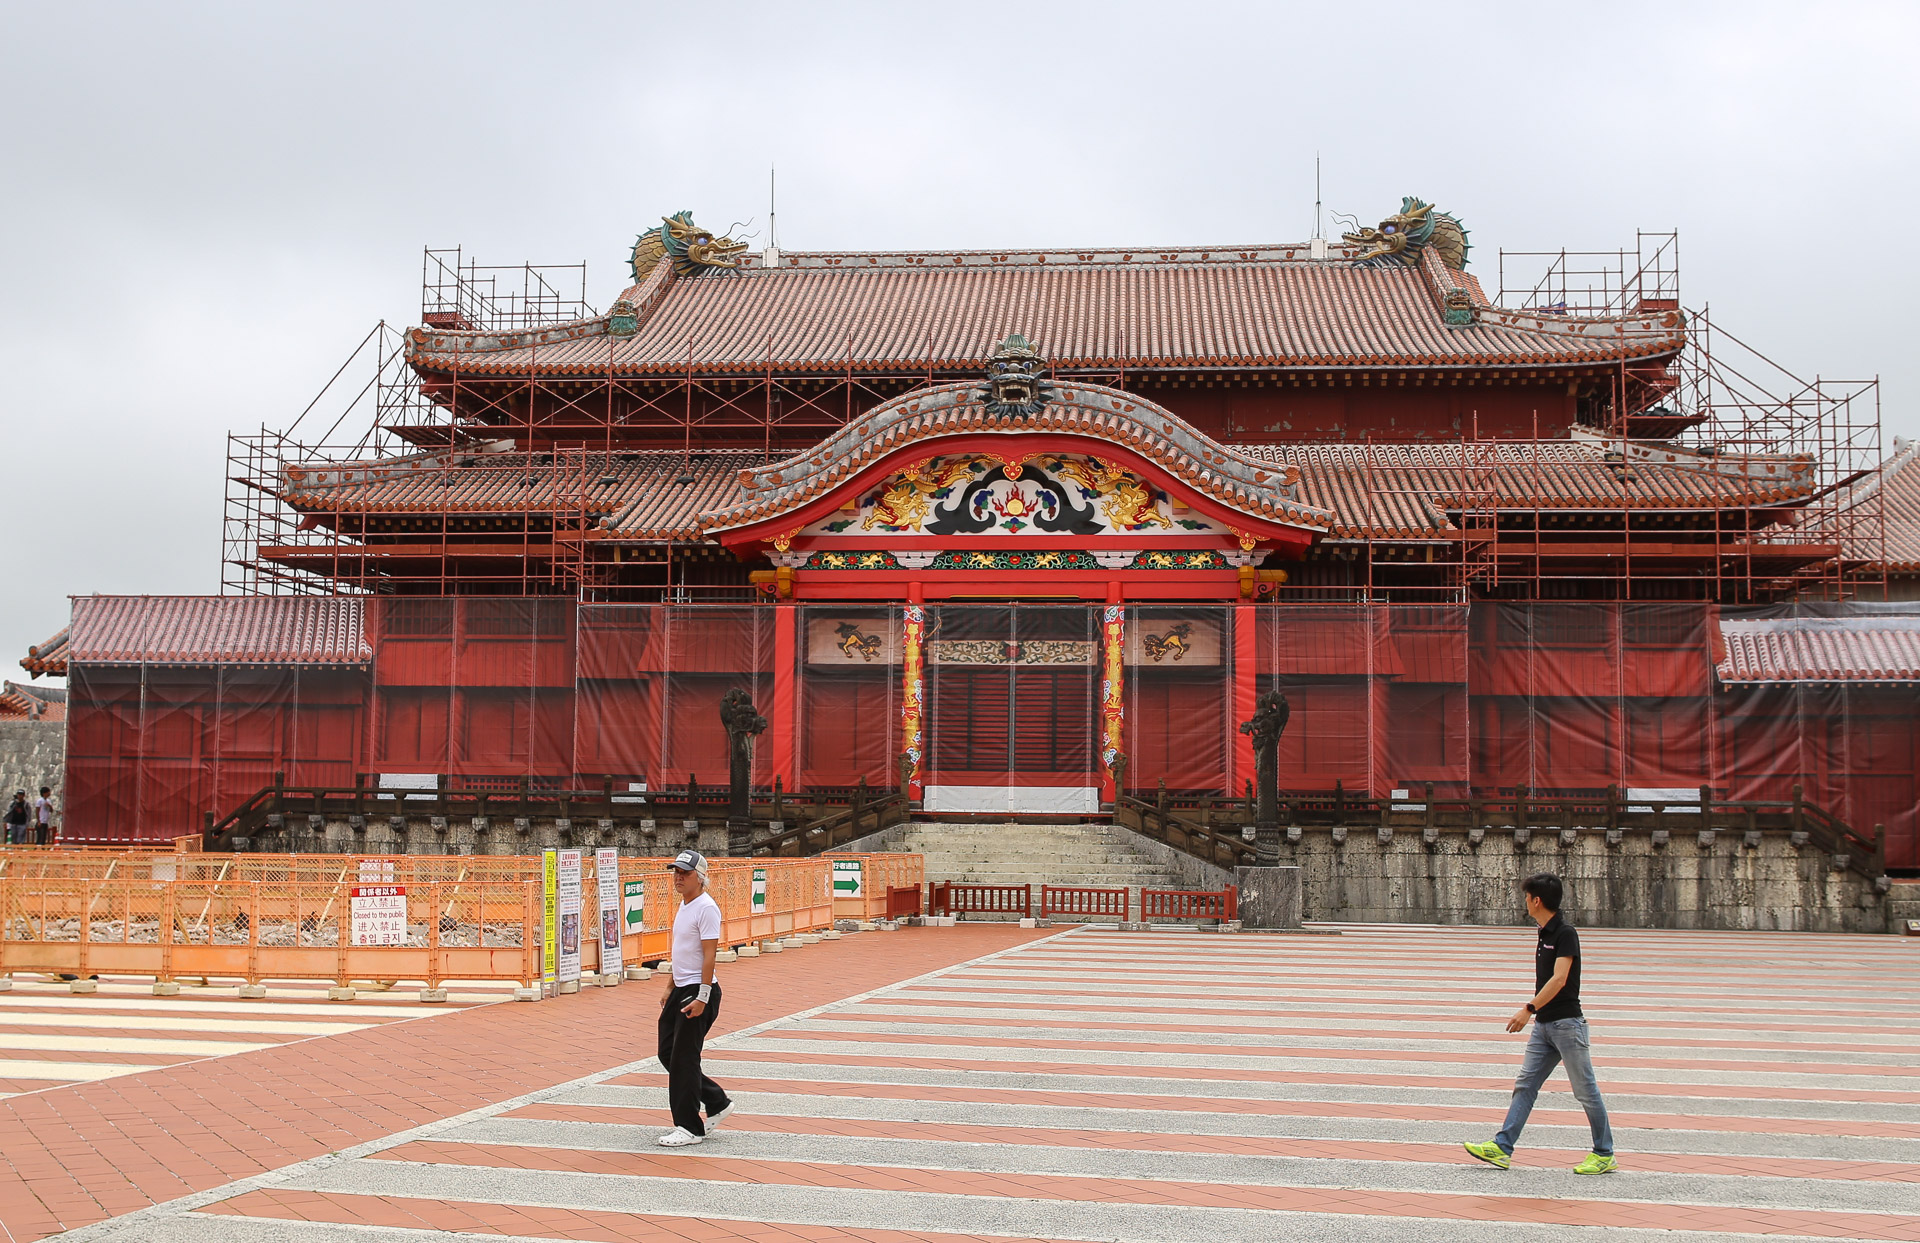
(706, 991)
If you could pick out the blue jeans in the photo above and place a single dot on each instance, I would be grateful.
(1562, 1040)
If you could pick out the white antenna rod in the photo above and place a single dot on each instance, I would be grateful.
(1317, 247)
(1318, 231)
(771, 257)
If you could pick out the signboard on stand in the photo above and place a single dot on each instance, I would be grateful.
(378, 914)
(848, 878)
(759, 891)
(569, 965)
(549, 917)
(606, 874)
(633, 906)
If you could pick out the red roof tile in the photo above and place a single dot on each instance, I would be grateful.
(32, 703)
(191, 630)
(907, 312)
(642, 492)
(1402, 490)
(1224, 473)
(1900, 503)
(48, 656)
(1869, 649)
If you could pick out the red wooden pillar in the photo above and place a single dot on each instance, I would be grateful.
(786, 720)
(1246, 664)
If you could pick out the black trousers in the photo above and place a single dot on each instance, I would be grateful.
(681, 1039)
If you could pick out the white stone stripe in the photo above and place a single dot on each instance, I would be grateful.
(66, 1072)
(127, 1044)
(1229, 1089)
(203, 1004)
(1089, 998)
(1117, 1116)
(12, 1020)
(1619, 1051)
(1038, 1013)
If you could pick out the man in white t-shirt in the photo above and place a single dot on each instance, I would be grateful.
(691, 1005)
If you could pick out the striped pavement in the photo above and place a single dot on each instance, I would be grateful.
(50, 1038)
(1181, 1087)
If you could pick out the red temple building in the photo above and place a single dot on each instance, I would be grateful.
(1027, 532)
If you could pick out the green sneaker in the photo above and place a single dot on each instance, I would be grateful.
(1491, 1154)
(1596, 1164)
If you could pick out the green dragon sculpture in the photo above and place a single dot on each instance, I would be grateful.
(1402, 236)
(691, 249)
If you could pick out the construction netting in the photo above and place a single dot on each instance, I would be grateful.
(1029, 707)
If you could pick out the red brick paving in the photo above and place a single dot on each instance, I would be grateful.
(77, 1154)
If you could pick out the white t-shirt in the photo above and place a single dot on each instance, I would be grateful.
(43, 810)
(696, 921)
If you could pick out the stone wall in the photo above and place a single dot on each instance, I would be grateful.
(395, 834)
(33, 754)
(1632, 881)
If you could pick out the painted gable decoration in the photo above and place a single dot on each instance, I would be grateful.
(1047, 494)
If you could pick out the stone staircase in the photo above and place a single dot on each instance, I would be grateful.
(1037, 854)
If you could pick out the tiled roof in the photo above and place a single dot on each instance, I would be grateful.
(48, 656)
(641, 491)
(1228, 476)
(1870, 649)
(32, 703)
(1900, 503)
(190, 630)
(915, 312)
(1400, 490)
(1380, 491)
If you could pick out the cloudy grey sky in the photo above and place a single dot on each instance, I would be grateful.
(205, 206)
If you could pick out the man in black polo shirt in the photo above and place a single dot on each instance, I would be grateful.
(1559, 1034)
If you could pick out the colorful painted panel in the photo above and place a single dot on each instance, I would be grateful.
(1048, 494)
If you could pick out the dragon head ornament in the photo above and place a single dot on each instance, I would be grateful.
(1402, 236)
(691, 249)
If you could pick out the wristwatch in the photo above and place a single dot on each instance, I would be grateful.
(1530, 1009)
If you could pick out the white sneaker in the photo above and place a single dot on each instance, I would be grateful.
(679, 1137)
(714, 1120)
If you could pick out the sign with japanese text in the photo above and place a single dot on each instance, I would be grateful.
(569, 877)
(633, 905)
(378, 914)
(606, 874)
(847, 878)
(549, 915)
(759, 891)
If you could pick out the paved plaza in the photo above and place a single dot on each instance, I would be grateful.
(993, 1083)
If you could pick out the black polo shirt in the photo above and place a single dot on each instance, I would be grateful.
(1557, 940)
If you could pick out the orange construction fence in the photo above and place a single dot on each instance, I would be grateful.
(861, 881)
(291, 917)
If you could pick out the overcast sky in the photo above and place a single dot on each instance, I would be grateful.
(204, 207)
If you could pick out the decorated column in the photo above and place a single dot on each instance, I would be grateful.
(913, 698)
(1113, 702)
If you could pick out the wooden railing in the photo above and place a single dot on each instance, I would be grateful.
(1211, 828)
(1083, 900)
(950, 898)
(1220, 904)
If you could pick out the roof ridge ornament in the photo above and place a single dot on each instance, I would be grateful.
(1015, 387)
(694, 251)
(1401, 238)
